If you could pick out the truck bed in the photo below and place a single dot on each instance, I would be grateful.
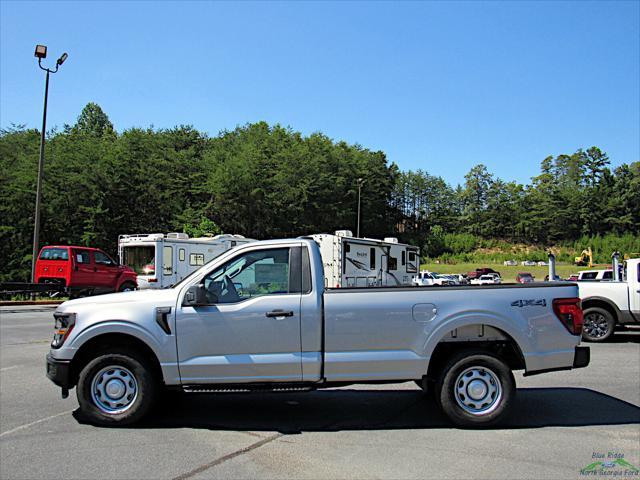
(389, 333)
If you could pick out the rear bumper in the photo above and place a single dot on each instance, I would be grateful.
(58, 371)
(581, 358)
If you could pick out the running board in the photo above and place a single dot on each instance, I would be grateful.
(244, 389)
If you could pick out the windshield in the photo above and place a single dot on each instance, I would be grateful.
(141, 258)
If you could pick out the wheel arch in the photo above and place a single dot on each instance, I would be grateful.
(126, 279)
(505, 347)
(105, 342)
(604, 303)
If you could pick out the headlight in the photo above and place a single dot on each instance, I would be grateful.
(64, 325)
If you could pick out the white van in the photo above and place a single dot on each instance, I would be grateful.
(366, 262)
(162, 260)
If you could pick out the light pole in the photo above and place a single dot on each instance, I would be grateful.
(360, 183)
(40, 53)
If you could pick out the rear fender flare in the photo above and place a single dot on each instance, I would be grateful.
(504, 324)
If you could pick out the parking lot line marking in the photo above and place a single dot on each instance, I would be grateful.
(27, 425)
(229, 456)
(8, 368)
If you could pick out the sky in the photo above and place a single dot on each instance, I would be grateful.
(440, 86)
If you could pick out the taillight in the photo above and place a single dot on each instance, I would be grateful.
(64, 325)
(569, 313)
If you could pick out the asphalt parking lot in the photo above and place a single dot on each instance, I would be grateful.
(560, 421)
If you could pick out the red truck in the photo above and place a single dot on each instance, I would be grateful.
(83, 270)
(480, 271)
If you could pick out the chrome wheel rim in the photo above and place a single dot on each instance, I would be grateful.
(595, 325)
(114, 389)
(478, 391)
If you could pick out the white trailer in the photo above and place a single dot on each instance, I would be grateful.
(161, 260)
(365, 262)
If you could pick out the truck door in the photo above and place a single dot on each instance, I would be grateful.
(106, 270)
(250, 330)
(82, 274)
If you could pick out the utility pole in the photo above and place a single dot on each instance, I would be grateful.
(360, 184)
(41, 52)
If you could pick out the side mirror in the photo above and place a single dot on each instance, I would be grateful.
(196, 295)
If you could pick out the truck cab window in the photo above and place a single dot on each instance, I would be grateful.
(82, 256)
(253, 274)
(102, 259)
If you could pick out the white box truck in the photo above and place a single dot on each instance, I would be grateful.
(161, 260)
(349, 261)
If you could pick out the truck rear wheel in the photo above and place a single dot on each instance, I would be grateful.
(598, 324)
(116, 388)
(475, 389)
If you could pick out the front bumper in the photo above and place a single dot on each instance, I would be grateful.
(58, 371)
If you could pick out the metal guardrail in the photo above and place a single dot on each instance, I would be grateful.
(15, 288)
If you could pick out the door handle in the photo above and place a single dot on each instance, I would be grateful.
(279, 313)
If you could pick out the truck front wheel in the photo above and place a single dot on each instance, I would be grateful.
(475, 389)
(116, 388)
(127, 287)
(598, 324)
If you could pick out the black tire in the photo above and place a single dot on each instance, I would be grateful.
(116, 367)
(599, 324)
(487, 371)
(127, 286)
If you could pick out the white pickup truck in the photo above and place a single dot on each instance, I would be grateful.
(609, 304)
(259, 317)
(426, 279)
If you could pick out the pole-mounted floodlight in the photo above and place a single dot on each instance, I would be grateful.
(40, 53)
(62, 58)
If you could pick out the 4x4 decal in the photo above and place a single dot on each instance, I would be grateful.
(529, 303)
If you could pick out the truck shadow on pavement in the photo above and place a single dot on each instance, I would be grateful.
(346, 409)
(625, 336)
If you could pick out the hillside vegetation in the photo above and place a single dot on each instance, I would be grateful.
(268, 181)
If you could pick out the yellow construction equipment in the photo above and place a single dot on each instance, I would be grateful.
(585, 258)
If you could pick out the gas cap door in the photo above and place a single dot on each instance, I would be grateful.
(424, 312)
